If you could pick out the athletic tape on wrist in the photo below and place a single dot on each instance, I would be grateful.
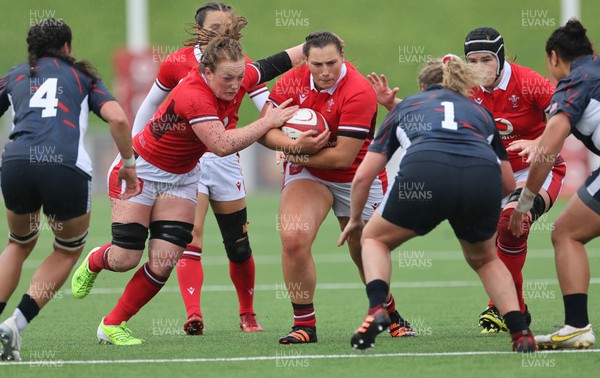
(525, 201)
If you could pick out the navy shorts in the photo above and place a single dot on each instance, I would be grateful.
(63, 192)
(589, 192)
(434, 186)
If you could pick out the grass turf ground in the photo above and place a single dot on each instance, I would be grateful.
(435, 289)
(433, 286)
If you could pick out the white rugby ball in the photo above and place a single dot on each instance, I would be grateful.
(303, 120)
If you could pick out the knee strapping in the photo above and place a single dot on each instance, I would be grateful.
(175, 232)
(24, 239)
(71, 244)
(129, 235)
(235, 236)
(539, 205)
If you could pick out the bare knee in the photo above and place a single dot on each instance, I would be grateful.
(24, 244)
(122, 260)
(478, 258)
(23, 249)
(295, 243)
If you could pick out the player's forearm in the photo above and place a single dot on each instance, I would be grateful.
(232, 141)
(390, 106)
(370, 168)
(327, 158)
(119, 127)
(121, 134)
(544, 156)
(276, 140)
(358, 196)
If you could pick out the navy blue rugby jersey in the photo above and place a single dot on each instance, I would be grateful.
(442, 120)
(578, 96)
(50, 113)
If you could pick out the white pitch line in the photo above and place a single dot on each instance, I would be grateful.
(217, 258)
(280, 287)
(287, 357)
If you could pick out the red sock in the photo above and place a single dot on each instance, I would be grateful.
(512, 251)
(514, 263)
(142, 287)
(191, 276)
(390, 304)
(242, 276)
(99, 259)
(304, 315)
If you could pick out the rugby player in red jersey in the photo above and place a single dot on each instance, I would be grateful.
(314, 184)
(221, 184)
(190, 121)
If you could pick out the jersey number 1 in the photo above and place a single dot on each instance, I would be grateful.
(448, 122)
(45, 97)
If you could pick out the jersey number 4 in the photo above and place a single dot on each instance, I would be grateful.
(45, 97)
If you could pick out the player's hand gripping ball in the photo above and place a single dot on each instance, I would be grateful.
(303, 120)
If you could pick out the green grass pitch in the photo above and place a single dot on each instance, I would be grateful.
(432, 284)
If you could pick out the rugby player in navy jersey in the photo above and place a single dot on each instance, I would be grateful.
(574, 109)
(46, 166)
(449, 142)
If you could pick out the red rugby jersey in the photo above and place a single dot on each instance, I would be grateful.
(178, 64)
(519, 104)
(168, 140)
(350, 108)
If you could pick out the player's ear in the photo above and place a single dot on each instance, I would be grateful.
(553, 58)
(207, 72)
(66, 48)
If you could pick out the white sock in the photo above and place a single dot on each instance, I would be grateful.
(20, 320)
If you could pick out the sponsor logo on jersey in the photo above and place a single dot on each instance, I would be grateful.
(302, 97)
(479, 100)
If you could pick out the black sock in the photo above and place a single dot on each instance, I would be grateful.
(576, 313)
(2, 307)
(515, 321)
(28, 308)
(377, 291)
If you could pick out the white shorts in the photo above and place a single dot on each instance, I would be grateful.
(221, 178)
(552, 184)
(340, 191)
(154, 182)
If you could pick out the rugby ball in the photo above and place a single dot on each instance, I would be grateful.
(303, 120)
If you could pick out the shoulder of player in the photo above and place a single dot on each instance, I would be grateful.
(295, 77)
(16, 71)
(527, 77)
(193, 88)
(355, 86)
(184, 51)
